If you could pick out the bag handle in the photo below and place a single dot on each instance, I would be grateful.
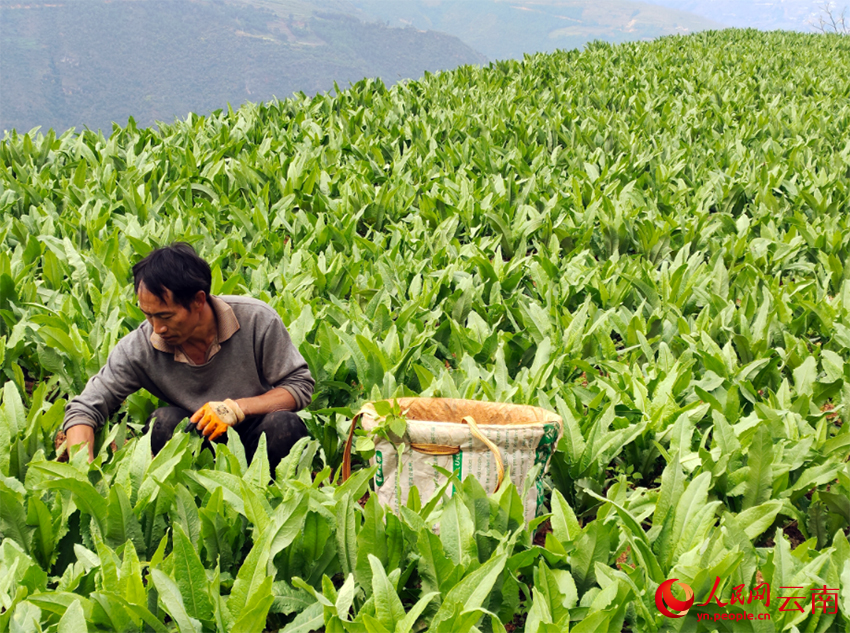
(476, 432)
(430, 449)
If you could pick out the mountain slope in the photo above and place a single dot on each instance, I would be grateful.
(507, 29)
(94, 62)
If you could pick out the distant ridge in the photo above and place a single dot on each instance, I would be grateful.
(72, 63)
(89, 63)
(509, 28)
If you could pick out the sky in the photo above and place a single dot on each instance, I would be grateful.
(766, 15)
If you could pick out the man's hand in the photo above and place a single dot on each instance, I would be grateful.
(81, 434)
(213, 418)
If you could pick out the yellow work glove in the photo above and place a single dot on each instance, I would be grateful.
(213, 418)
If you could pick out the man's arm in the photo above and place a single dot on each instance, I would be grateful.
(283, 366)
(103, 394)
(278, 399)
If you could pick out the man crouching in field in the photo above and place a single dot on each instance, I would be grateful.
(221, 361)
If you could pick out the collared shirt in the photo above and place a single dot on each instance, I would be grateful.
(254, 355)
(226, 324)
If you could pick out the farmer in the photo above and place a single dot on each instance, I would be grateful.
(220, 361)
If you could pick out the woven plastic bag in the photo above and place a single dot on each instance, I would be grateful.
(465, 436)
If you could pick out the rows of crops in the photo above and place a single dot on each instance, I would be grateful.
(650, 239)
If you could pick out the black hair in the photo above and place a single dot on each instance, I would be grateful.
(177, 268)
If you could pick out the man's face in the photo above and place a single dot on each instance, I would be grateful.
(174, 323)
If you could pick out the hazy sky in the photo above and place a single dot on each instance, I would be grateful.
(760, 14)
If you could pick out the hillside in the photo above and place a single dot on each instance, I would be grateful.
(504, 29)
(650, 240)
(93, 62)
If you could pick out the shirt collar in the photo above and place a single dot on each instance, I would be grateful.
(226, 322)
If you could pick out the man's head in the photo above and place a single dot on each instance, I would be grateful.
(172, 285)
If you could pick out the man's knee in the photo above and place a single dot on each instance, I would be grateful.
(164, 420)
(283, 429)
(286, 425)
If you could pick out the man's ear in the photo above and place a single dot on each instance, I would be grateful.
(200, 299)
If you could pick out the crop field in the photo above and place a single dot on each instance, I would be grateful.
(650, 239)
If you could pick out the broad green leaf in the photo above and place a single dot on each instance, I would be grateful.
(290, 599)
(833, 365)
(757, 519)
(190, 576)
(257, 509)
(844, 591)
(230, 485)
(311, 619)
(258, 472)
(143, 614)
(286, 524)
(811, 477)
(511, 506)
(6, 436)
(171, 599)
(346, 535)
(472, 590)
(565, 525)
(43, 537)
(109, 611)
(439, 574)
(371, 541)
(539, 613)
(634, 532)
(457, 533)
(357, 484)
(252, 574)
(345, 597)
(255, 612)
(680, 441)
(185, 512)
(130, 585)
(805, 375)
(59, 602)
(388, 607)
(121, 523)
(760, 461)
(592, 546)
(406, 624)
(595, 621)
(108, 571)
(672, 487)
(556, 601)
(693, 515)
(139, 463)
(13, 519)
(13, 409)
(73, 620)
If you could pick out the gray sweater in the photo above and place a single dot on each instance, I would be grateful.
(258, 357)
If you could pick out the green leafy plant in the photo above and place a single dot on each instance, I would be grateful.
(392, 423)
(648, 239)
